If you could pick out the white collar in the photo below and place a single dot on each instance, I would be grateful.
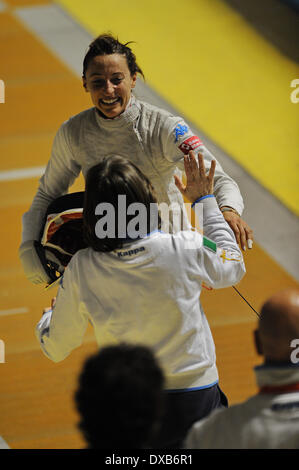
(284, 374)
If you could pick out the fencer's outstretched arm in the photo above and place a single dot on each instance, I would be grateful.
(220, 261)
(61, 171)
(178, 139)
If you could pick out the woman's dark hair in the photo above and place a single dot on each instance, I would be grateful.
(120, 397)
(113, 179)
(106, 44)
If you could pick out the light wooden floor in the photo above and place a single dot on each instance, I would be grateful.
(36, 396)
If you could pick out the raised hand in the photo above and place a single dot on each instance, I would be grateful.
(198, 183)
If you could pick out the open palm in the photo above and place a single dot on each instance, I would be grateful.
(198, 183)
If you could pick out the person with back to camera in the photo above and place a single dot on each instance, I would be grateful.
(120, 397)
(270, 419)
(146, 289)
(120, 124)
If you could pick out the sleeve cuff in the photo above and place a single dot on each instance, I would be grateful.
(209, 200)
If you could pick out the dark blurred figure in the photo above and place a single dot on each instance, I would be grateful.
(120, 397)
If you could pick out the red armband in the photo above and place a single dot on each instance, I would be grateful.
(191, 143)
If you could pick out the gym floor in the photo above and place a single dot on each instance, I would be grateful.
(228, 71)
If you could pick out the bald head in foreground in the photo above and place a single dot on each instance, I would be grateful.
(269, 419)
(278, 326)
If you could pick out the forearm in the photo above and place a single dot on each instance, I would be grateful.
(33, 219)
(42, 331)
(226, 190)
(226, 267)
(215, 227)
(59, 334)
(52, 185)
(230, 202)
(61, 171)
(62, 327)
(220, 258)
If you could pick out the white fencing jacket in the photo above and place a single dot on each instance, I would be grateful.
(265, 421)
(150, 137)
(148, 292)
